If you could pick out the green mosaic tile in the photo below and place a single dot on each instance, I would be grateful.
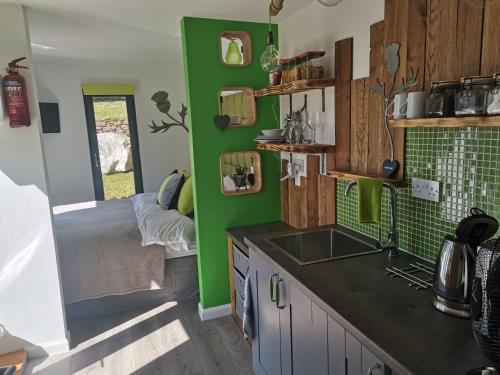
(465, 160)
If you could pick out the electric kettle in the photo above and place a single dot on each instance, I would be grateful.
(454, 270)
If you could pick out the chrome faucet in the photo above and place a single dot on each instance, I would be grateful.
(392, 242)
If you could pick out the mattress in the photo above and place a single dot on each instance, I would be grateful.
(101, 253)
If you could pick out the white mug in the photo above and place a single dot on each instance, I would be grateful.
(416, 104)
(400, 106)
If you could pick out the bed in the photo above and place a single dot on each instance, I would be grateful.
(124, 250)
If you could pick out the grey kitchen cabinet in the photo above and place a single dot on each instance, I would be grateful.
(271, 348)
(293, 335)
(370, 364)
(336, 348)
(352, 355)
(360, 360)
(309, 335)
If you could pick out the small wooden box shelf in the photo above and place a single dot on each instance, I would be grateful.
(341, 175)
(297, 148)
(295, 87)
(447, 122)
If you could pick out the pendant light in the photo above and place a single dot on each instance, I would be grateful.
(270, 58)
(330, 3)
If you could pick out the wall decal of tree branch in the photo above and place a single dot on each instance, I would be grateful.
(164, 106)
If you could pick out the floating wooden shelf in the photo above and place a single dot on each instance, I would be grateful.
(297, 148)
(447, 122)
(354, 176)
(296, 86)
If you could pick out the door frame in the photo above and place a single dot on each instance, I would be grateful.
(95, 161)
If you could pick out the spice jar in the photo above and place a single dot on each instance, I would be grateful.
(285, 70)
(471, 99)
(312, 65)
(294, 74)
(441, 101)
(493, 100)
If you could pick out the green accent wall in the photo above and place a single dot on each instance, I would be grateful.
(214, 212)
(465, 160)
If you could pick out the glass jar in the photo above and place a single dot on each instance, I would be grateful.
(471, 99)
(312, 65)
(493, 100)
(285, 70)
(441, 101)
(294, 74)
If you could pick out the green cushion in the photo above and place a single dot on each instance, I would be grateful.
(164, 185)
(185, 204)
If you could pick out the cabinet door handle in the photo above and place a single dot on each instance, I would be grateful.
(278, 294)
(272, 287)
(376, 366)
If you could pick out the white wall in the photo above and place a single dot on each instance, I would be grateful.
(31, 307)
(68, 155)
(317, 27)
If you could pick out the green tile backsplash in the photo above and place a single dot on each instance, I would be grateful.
(465, 160)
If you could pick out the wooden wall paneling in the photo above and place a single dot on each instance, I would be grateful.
(327, 194)
(295, 208)
(453, 40)
(405, 23)
(490, 60)
(359, 125)
(285, 211)
(311, 192)
(440, 41)
(415, 55)
(469, 38)
(343, 78)
(377, 138)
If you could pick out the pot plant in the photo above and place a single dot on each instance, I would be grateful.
(240, 177)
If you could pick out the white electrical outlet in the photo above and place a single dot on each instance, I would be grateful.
(426, 189)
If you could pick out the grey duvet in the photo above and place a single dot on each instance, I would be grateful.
(100, 252)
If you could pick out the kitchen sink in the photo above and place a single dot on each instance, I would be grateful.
(322, 245)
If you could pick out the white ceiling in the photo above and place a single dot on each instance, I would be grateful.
(129, 30)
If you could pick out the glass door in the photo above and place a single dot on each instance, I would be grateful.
(114, 146)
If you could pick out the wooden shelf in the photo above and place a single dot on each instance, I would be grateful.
(297, 148)
(341, 175)
(295, 87)
(447, 122)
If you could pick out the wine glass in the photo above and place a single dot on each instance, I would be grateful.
(313, 122)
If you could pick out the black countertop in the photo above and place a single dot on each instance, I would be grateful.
(396, 322)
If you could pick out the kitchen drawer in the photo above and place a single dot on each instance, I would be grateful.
(239, 306)
(241, 261)
(239, 284)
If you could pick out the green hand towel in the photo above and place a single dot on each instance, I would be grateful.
(369, 200)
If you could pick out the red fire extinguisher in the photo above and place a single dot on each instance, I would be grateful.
(15, 94)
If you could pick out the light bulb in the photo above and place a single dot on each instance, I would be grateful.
(270, 58)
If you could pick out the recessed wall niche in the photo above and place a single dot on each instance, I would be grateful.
(240, 173)
(235, 48)
(239, 104)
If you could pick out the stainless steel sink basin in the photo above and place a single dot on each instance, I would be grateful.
(321, 245)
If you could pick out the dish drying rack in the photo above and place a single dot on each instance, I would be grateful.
(418, 274)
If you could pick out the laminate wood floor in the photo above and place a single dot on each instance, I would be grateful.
(165, 340)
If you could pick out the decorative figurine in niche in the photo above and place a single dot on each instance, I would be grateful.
(240, 173)
(235, 48)
(240, 178)
(391, 56)
(164, 106)
(233, 54)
